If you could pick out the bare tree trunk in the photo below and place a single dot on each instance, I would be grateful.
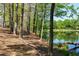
(36, 32)
(10, 19)
(16, 24)
(4, 17)
(22, 12)
(42, 15)
(34, 20)
(29, 13)
(51, 29)
(42, 22)
(13, 18)
(9, 15)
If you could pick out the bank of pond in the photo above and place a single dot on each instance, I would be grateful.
(67, 43)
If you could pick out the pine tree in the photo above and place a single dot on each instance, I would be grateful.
(22, 12)
(4, 16)
(51, 29)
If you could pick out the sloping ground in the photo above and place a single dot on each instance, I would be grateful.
(29, 45)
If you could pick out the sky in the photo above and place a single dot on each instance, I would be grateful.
(75, 5)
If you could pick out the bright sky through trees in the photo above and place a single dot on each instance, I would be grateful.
(76, 5)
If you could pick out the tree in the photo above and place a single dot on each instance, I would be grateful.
(12, 18)
(11, 13)
(34, 18)
(16, 25)
(37, 21)
(4, 17)
(51, 29)
(29, 13)
(22, 12)
(42, 21)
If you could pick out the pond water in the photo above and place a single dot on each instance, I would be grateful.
(63, 37)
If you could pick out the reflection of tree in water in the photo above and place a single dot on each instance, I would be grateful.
(67, 36)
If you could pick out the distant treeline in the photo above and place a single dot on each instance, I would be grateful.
(66, 24)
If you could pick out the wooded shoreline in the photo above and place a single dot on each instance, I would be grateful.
(65, 30)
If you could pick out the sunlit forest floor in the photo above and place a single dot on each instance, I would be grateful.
(12, 45)
(29, 45)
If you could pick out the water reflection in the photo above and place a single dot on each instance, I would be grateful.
(63, 37)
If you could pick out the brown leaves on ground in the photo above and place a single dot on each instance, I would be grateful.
(30, 45)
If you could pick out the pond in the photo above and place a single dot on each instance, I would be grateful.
(60, 38)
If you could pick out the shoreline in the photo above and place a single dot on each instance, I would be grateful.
(65, 30)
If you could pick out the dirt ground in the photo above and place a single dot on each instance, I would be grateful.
(29, 45)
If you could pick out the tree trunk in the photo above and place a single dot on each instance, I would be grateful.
(28, 25)
(9, 15)
(51, 29)
(22, 17)
(16, 24)
(42, 22)
(11, 18)
(34, 20)
(36, 25)
(42, 15)
(4, 17)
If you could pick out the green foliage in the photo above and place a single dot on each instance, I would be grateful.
(60, 10)
(66, 36)
(66, 24)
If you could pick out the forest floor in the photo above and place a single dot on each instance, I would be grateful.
(29, 45)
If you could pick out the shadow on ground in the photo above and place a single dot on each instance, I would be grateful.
(29, 50)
